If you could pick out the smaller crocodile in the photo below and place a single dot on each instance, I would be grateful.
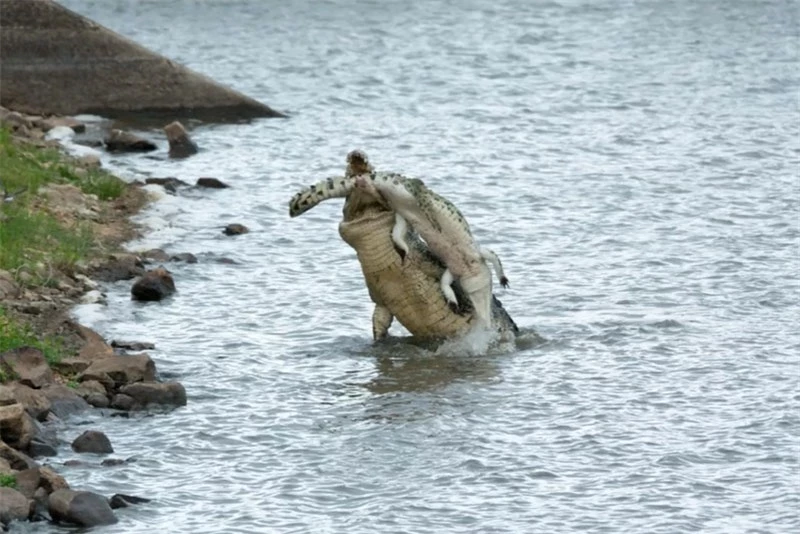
(434, 218)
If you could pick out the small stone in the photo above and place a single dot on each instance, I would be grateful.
(92, 441)
(212, 183)
(235, 229)
(156, 254)
(188, 257)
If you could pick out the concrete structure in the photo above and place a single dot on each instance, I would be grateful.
(54, 61)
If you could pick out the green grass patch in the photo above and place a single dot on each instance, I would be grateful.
(8, 481)
(28, 168)
(14, 334)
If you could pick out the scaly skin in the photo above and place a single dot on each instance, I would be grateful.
(408, 290)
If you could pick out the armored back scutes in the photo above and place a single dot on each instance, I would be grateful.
(307, 198)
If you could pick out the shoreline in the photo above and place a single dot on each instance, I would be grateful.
(52, 367)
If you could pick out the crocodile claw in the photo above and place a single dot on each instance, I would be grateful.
(402, 254)
(504, 281)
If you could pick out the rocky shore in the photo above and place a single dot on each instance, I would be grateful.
(51, 367)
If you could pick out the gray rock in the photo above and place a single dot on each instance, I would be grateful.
(120, 500)
(211, 183)
(121, 141)
(122, 402)
(187, 257)
(159, 393)
(94, 392)
(92, 441)
(14, 506)
(235, 229)
(156, 284)
(180, 144)
(171, 183)
(133, 345)
(64, 401)
(82, 508)
(16, 459)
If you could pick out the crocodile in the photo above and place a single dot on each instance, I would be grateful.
(409, 289)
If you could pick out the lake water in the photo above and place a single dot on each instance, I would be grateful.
(634, 164)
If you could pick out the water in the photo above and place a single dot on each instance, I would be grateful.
(635, 165)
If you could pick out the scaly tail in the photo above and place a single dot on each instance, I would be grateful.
(492, 258)
(309, 197)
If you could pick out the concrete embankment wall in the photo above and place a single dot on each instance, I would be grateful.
(55, 61)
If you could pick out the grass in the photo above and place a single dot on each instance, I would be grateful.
(14, 334)
(8, 481)
(31, 237)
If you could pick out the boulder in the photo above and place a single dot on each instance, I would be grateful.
(169, 183)
(122, 141)
(120, 500)
(117, 267)
(180, 144)
(16, 427)
(156, 393)
(44, 444)
(94, 392)
(121, 369)
(92, 441)
(7, 395)
(156, 254)
(64, 401)
(82, 508)
(188, 257)
(35, 402)
(16, 459)
(153, 285)
(14, 506)
(235, 229)
(28, 481)
(71, 366)
(211, 183)
(28, 365)
(123, 402)
(94, 347)
(50, 480)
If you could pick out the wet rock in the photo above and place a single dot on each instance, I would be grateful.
(82, 508)
(14, 506)
(235, 229)
(117, 267)
(121, 369)
(8, 287)
(121, 141)
(44, 444)
(94, 297)
(133, 345)
(180, 144)
(112, 462)
(120, 500)
(54, 122)
(16, 459)
(16, 427)
(156, 393)
(94, 392)
(28, 365)
(64, 401)
(212, 183)
(34, 401)
(187, 257)
(39, 512)
(227, 261)
(92, 441)
(122, 402)
(154, 285)
(156, 254)
(169, 183)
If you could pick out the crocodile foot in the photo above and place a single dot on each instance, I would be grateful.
(458, 309)
(504, 281)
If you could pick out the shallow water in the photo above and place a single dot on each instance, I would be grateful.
(635, 165)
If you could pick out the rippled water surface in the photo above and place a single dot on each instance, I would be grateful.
(635, 164)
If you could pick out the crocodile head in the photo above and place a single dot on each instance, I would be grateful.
(360, 203)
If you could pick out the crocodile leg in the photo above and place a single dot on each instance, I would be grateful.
(492, 258)
(479, 288)
(381, 321)
(449, 294)
(399, 232)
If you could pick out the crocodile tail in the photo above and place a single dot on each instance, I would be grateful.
(310, 196)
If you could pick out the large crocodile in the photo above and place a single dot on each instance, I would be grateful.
(407, 290)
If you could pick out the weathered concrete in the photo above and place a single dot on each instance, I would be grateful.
(55, 61)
